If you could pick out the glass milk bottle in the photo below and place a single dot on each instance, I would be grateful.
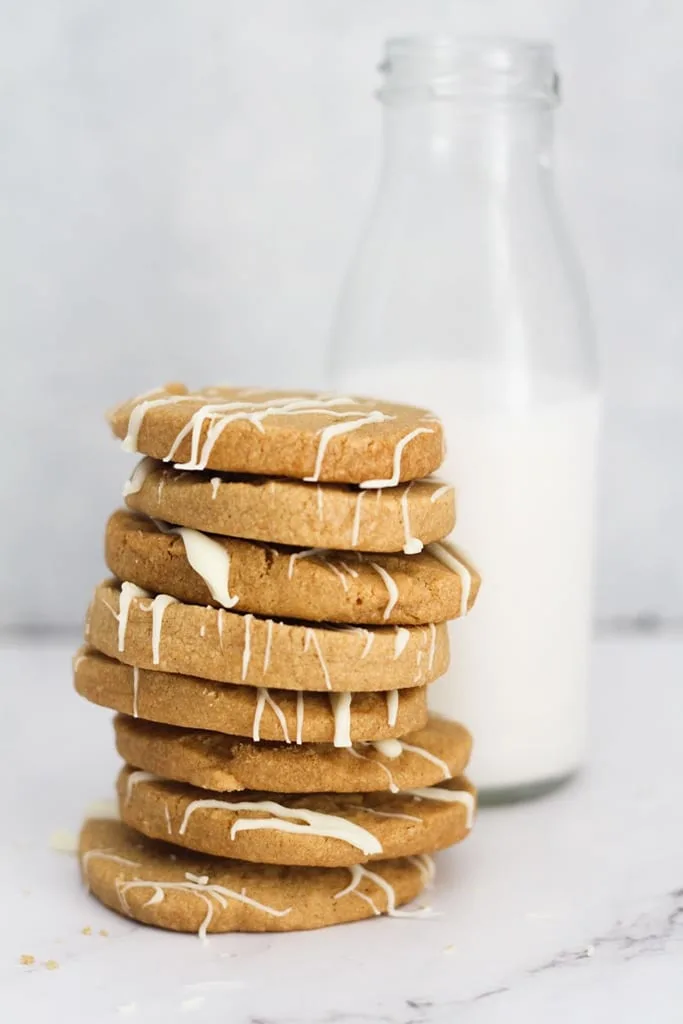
(465, 297)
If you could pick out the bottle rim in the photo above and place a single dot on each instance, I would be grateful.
(442, 66)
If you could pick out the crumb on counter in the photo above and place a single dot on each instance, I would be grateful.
(26, 958)
(87, 930)
(51, 965)
(104, 933)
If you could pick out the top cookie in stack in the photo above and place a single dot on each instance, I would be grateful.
(291, 554)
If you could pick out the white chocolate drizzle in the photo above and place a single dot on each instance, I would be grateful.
(428, 756)
(440, 491)
(454, 560)
(167, 816)
(134, 779)
(219, 627)
(327, 433)
(393, 788)
(384, 814)
(341, 709)
(390, 584)
(215, 482)
(138, 476)
(246, 649)
(262, 698)
(401, 638)
(311, 638)
(159, 606)
(129, 591)
(426, 866)
(447, 796)
(412, 545)
(392, 698)
(355, 529)
(136, 687)
(358, 873)
(388, 748)
(432, 646)
(320, 497)
(298, 820)
(269, 643)
(106, 855)
(130, 441)
(202, 630)
(299, 717)
(204, 890)
(323, 556)
(395, 477)
(160, 486)
(218, 416)
(209, 559)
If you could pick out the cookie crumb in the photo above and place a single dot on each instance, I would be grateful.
(87, 930)
(26, 958)
(104, 933)
(51, 965)
(449, 949)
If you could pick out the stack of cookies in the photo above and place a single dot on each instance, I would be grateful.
(278, 608)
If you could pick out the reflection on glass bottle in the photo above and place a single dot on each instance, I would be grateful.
(465, 297)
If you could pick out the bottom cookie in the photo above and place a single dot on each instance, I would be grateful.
(161, 885)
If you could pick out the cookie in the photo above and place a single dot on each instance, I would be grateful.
(209, 760)
(313, 830)
(258, 712)
(129, 624)
(161, 885)
(300, 434)
(340, 516)
(312, 584)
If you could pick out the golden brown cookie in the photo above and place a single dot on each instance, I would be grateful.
(172, 888)
(210, 760)
(282, 511)
(312, 584)
(315, 829)
(132, 626)
(301, 434)
(259, 712)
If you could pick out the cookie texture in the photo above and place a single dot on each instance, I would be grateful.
(312, 584)
(258, 712)
(313, 829)
(171, 888)
(308, 436)
(133, 626)
(228, 763)
(283, 511)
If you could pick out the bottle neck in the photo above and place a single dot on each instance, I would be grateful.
(490, 144)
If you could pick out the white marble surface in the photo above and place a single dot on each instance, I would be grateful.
(567, 909)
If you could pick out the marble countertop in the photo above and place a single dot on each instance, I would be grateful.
(565, 909)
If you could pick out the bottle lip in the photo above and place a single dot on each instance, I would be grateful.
(444, 66)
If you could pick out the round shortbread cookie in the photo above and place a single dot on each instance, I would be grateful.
(314, 829)
(297, 434)
(168, 887)
(312, 584)
(209, 760)
(259, 712)
(129, 624)
(283, 511)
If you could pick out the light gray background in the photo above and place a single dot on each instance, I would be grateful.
(182, 184)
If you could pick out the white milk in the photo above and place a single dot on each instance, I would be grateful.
(525, 486)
